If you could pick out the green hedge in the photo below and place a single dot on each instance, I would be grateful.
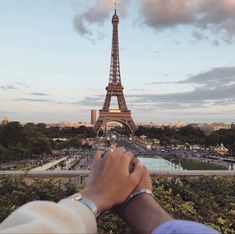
(207, 200)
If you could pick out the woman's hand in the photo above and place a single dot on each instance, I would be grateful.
(145, 182)
(110, 181)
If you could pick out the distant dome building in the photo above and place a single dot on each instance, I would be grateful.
(5, 120)
(222, 151)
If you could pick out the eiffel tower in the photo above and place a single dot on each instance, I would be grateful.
(115, 89)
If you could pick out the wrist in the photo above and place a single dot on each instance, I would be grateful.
(136, 193)
(100, 200)
(77, 197)
(143, 209)
(137, 202)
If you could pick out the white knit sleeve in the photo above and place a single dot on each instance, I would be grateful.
(67, 216)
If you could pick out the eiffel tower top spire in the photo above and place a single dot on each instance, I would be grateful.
(115, 11)
(115, 74)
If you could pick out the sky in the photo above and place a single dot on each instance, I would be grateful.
(177, 59)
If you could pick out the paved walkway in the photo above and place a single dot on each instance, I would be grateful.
(47, 166)
(67, 164)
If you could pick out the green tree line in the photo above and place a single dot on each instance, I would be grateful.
(19, 142)
(190, 135)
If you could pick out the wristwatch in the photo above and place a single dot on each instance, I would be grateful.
(87, 202)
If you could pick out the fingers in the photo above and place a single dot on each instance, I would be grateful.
(129, 155)
(114, 153)
(133, 162)
(137, 173)
(98, 155)
(126, 160)
(145, 181)
(113, 147)
(119, 151)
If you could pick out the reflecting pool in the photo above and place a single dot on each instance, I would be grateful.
(159, 164)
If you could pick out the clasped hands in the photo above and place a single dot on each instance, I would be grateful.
(115, 175)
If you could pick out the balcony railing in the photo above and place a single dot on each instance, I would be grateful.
(79, 177)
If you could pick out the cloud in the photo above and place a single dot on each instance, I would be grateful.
(167, 13)
(33, 100)
(136, 90)
(199, 36)
(14, 86)
(162, 82)
(214, 78)
(220, 76)
(214, 87)
(95, 101)
(39, 100)
(205, 16)
(208, 18)
(200, 97)
(8, 87)
(39, 94)
(97, 12)
(21, 84)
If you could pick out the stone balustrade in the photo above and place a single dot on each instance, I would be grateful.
(79, 176)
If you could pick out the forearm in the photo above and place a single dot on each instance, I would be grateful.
(143, 214)
(48, 217)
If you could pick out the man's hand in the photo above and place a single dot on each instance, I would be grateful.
(110, 181)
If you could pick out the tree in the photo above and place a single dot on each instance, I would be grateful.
(226, 136)
(12, 134)
(39, 145)
(2, 153)
(21, 142)
(16, 153)
(232, 148)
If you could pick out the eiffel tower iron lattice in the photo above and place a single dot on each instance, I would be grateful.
(115, 89)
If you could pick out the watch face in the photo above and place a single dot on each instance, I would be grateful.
(77, 197)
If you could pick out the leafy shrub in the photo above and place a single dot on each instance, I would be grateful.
(209, 200)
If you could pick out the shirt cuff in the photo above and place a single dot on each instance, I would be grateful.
(85, 215)
(183, 227)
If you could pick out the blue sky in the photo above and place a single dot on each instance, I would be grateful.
(177, 59)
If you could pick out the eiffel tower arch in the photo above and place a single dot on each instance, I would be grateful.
(115, 90)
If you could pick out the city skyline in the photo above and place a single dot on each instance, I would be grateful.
(176, 59)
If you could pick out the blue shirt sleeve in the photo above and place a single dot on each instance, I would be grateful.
(183, 227)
